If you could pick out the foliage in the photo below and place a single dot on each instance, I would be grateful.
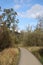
(41, 51)
(32, 38)
(5, 38)
(8, 25)
(8, 17)
(39, 25)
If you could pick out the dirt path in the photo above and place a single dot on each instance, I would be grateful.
(27, 58)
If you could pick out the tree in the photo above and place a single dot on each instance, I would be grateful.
(39, 25)
(7, 21)
(8, 17)
(29, 28)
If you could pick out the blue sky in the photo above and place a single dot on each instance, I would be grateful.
(27, 10)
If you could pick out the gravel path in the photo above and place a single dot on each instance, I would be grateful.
(27, 58)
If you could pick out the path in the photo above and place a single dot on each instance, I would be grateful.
(27, 58)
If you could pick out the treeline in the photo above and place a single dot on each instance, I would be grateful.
(9, 38)
(32, 38)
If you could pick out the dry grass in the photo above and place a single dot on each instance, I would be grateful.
(9, 56)
(34, 48)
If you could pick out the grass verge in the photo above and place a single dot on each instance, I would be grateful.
(35, 51)
(9, 56)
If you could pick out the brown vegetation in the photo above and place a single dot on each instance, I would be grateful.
(9, 56)
(32, 39)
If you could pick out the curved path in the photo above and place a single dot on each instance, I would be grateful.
(27, 58)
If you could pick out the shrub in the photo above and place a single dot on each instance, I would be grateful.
(5, 38)
(41, 51)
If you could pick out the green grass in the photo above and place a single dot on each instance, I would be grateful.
(41, 60)
(9, 56)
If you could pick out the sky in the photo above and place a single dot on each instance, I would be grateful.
(27, 11)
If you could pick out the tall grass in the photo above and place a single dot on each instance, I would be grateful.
(9, 56)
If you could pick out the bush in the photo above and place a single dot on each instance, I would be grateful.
(5, 38)
(41, 51)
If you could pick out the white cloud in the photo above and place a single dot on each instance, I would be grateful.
(33, 12)
(17, 6)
